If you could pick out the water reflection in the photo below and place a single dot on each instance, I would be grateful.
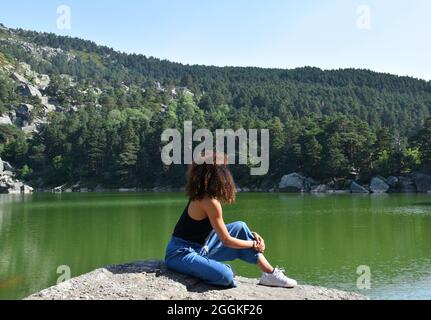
(320, 240)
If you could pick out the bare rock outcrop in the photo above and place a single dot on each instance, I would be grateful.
(295, 182)
(357, 188)
(150, 280)
(379, 185)
(8, 183)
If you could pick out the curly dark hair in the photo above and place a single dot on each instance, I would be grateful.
(211, 179)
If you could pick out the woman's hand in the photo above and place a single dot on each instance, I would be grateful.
(260, 246)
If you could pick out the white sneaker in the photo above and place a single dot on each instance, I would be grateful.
(277, 279)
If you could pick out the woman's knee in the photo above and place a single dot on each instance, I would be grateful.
(240, 230)
(171, 264)
(239, 225)
(225, 278)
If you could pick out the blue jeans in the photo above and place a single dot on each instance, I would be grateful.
(203, 262)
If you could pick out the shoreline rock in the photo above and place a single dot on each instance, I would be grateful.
(357, 188)
(8, 183)
(379, 185)
(296, 183)
(150, 280)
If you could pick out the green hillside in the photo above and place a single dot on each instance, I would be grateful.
(325, 124)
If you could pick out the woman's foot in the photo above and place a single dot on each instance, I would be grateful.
(277, 279)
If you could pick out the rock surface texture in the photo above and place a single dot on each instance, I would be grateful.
(150, 280)
(378, 185)
(8, 183)
(422, 181)
(295, 182)
(357, 188)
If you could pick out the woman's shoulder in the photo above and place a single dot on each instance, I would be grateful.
(208, 202)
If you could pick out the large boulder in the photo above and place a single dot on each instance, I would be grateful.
(30, 91)
(378, 185)
(406, 184)
(8, 184)
(26, 189)
(151, 280)
(392, 181)
(294, 182)
(422, 182)
(357, 188)
(48, 107)
(13, 188)
(5, 119)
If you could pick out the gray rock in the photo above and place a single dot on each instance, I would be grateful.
(357, 188)
(294, 182)
(378, 185)
(150, 280)
(42, 81)
(5, 119)
(30, 91)
(382, 178)
(48, 107)
(11, 187)
(26, 189)
(406, 184)
(7, 173)
(422, 182)
(392, 181)
(7, 182)
(24, 111)
(29, 129)
(8, 167)
(321, 188)
(97, 91)
(19, 78)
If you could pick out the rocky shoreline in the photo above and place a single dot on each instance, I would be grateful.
(416, 182)
(8, 183)
(150, 280)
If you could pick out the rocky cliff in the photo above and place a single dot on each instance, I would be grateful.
(8, 182)
(150, 280)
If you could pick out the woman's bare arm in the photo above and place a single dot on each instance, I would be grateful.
(215, 213)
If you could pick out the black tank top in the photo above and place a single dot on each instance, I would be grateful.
(192, 230)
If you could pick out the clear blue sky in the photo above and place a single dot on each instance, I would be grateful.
(266, 33)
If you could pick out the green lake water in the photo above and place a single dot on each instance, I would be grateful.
(320, 240)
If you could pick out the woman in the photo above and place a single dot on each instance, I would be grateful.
(201, 239)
